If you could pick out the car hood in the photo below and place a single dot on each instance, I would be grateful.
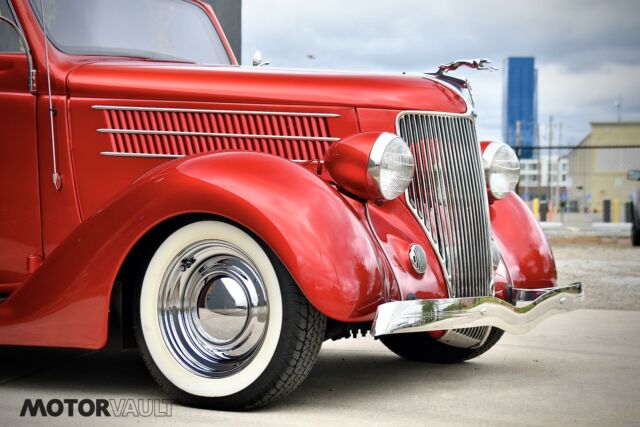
(251, 85)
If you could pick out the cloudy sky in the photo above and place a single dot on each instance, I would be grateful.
(587, 52)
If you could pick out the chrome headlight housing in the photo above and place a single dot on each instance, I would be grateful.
(502, 169)
(391, 165)
(371, 165)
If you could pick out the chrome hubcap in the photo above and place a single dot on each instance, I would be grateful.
(213, 309)
(222, 309)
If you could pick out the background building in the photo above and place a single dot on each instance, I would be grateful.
(546, 178)
(600, 173)
(520, 104)
(229, 13)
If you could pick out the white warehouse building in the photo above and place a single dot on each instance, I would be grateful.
(544, 177)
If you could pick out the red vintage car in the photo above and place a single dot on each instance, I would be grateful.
(227, 220)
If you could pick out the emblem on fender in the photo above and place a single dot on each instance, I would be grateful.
(418, 258)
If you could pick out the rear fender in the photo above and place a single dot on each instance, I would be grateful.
(325, 246)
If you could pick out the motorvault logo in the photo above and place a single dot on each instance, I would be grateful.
(96, 408)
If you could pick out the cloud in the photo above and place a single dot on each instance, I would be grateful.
(587, 52)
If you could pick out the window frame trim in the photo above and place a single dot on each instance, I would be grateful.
(221, 37)
(31, 77)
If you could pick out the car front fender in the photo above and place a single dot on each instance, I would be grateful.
(317, 235)
(523, 245)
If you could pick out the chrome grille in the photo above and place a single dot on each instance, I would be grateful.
(467, 337)
(448, 196)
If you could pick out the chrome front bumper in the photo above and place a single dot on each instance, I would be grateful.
(532, 306)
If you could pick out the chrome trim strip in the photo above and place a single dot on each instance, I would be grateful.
(470, 107)
(215, 134)
(160, 156)
(179, 156)
(27, 52)
(17, 26)
(532, 306)
(204, 111)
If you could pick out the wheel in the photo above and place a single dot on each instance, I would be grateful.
(220, 323)
(421, 347)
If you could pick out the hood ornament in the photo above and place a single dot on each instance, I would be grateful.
(458, 83)
(478, 64)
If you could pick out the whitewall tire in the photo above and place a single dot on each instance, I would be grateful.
(220, 322)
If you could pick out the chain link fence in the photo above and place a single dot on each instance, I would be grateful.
(586, 184)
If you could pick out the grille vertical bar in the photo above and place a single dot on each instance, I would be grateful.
(448, 196)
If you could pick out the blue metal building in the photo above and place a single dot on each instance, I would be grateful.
(520, 103)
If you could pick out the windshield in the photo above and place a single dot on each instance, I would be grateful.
(168, 30)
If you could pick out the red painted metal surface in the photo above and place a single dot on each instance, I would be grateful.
(380, 120)
(524, 247)
(347, 256)
(14, 72)
(97, 180)
(163, 81)
(19, 200)
(527, 256)
(396, 230)
(65, 302)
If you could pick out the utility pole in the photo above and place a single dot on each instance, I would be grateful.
(538, 166)
(556, 198)
(518, 145)
(518, 136)
(549, 159)
(618, 105)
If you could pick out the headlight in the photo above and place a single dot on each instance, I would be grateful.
(371, 165)
(391, 165)
(502, 169)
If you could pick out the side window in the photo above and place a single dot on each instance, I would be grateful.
(9, 40)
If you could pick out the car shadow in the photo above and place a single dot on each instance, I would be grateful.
(72, 371)
(339, 374)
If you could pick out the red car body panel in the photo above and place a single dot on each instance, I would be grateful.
(524, 247)
(347, 255)
(97, 182)
(341, 277)
(161, 81)
(396, 229)
(20, 234)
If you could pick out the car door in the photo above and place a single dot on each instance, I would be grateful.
(20, 230)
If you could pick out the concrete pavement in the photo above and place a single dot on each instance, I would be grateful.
(578, 229)
(581, 368)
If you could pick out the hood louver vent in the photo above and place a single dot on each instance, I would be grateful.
(165, 132)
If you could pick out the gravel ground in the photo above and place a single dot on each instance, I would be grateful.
(608, 267)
